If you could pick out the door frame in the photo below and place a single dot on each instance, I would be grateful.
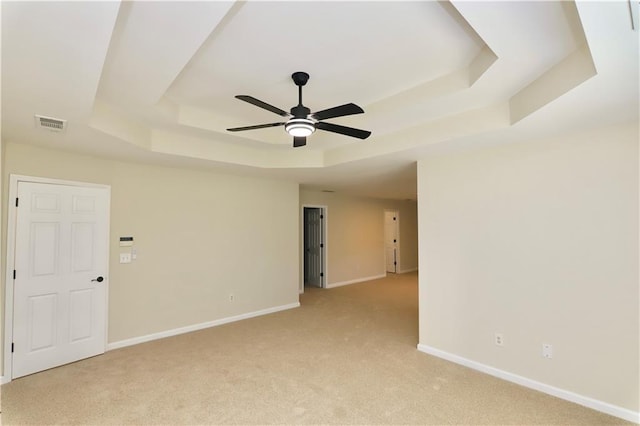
(396, 212)
(10, 260)
(324, 250)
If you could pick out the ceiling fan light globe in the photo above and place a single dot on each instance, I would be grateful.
(300, 131)
(300, 127)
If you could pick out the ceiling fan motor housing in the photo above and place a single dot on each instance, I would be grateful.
(300, 111)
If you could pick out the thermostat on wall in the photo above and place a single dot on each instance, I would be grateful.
(126, 241)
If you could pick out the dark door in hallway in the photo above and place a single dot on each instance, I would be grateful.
(313, 246)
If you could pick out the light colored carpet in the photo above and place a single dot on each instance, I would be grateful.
(346, 356)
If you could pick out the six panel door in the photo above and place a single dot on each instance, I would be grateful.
(61, 248)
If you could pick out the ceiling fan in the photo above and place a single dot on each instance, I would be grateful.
(302, 122)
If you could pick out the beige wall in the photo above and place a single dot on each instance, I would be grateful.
(408, 211)
(355, 237)
(538, 241)
(2, 257)
(200, 236)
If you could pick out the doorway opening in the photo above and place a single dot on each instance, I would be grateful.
(391, 241)
(314, 246)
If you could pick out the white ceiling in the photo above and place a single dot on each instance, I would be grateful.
(155, 81)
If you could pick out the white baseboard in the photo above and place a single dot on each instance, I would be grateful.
(196, 327)
(404, 271)
(585, 401)
(4, 379)
(357, 280)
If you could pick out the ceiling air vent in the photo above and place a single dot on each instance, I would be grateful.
(50, 123)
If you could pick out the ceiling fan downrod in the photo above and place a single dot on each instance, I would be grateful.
(300, 78)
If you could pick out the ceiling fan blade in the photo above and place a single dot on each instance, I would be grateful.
(299, 141)
(259, 126)
(349, 131)
(264, 105)
(339, 111)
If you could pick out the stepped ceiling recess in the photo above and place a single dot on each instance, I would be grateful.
(155, 81)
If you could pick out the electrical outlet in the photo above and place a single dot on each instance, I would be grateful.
(547, 351)
(125, 257)
(499, 339)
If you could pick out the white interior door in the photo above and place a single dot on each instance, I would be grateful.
(391, 240)
(60, 285)
(313, 246)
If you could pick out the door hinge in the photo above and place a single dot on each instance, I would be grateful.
(321, 216)
(14, 274)
(321, 245)
(16, 201)
(395, 241)
(322, 274)
(12, 347)
(394, 263)
(394, 218)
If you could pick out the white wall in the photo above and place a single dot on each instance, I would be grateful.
(200, 236)
(355, 238)
(538, 241)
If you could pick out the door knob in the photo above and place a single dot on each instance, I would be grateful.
(99, 279)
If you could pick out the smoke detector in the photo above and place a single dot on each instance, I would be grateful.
(50, 123)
